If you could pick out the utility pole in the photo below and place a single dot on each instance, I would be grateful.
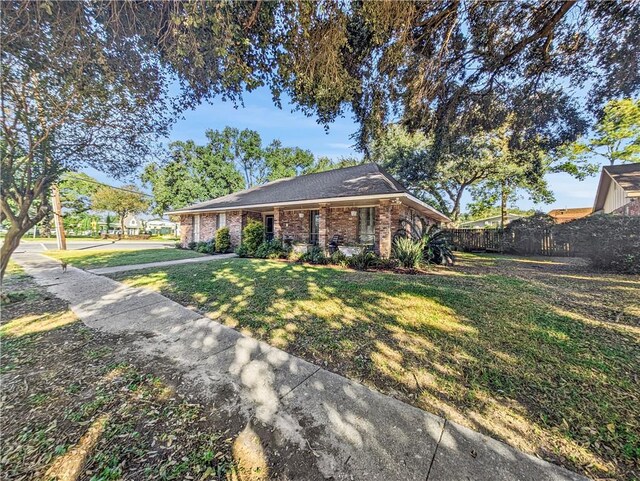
(57, 217)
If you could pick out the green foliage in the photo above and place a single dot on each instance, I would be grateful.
(364, 260)
(242, 251)
(408, 252)
(616, 136)
(205, 247)
(194, 173)
(252, 236)
(223, 240)
(76, 191)
(315, 255)
(339, 259)
(272, 249)
(124, 201)
(437, 248)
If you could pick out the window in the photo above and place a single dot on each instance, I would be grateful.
(196, 228)
(221, 220)
(366, 226)
(314, 227)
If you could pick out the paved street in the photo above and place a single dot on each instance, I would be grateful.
(34, 246)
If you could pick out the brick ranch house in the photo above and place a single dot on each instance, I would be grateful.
(360, 205)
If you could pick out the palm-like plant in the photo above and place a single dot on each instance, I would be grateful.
(437, 249)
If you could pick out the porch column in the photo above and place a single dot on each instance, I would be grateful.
(323, 230)
(277, 230)
(383, 228)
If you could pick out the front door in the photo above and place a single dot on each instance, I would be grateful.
(268, 227)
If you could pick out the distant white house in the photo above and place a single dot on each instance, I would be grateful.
(159, 226)
(133, 225)
(619, 190)
(137, 224)
(488, 222)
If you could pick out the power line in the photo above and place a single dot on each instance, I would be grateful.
(91, 181)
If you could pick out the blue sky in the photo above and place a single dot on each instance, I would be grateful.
(293, 128)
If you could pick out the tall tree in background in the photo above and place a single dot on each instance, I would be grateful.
(616, 136)
(443, 183)
(194, 173)
(283, 161)
(124, 201)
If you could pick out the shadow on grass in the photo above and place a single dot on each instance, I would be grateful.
(485, 349)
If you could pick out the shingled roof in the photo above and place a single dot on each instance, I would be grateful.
(359, 180)
(627, 176)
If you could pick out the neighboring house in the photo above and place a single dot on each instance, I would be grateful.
(361, 205)
(134, 225)
(488, 222)
(560, 216)
(619, 190)
(160, 226)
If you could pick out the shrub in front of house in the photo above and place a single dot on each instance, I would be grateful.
(192, 245)
(436, 247)
(364, 260)
(272, 249)
(339, 259)
(315, 255)
(242, 251)
(205, 247)
(252, 236)
(408, 252)
(223, 240)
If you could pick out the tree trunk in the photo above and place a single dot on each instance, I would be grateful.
(11, 243)
(503, 206)
(122, 226)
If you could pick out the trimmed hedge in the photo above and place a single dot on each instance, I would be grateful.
(608, 241)
(223, 240)
(252, 236)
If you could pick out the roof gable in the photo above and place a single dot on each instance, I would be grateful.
(627, 176)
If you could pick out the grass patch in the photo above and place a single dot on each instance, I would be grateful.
(93, 259)
(535, 352)
(76, 404)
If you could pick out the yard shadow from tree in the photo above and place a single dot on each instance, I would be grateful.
(487, 348)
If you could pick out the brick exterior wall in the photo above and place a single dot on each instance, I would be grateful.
(186, 230)
(234, 223)
(292, 226)
(289, 225)
(631, 208)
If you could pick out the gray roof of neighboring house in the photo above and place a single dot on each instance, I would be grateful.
(625, 175)
(363, 179)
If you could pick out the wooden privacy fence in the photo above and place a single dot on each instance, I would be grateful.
(541, 242)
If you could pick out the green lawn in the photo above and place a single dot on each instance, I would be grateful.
(539, 353)
(94, 258)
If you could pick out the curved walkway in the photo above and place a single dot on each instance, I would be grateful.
(355, 433)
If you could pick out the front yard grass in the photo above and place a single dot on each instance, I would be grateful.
(540, 353)
(76, 404)
(93, 259)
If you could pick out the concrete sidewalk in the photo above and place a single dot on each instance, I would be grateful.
(135, 267)
(354, 432)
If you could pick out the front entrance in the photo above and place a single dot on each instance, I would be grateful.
(268, 227)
